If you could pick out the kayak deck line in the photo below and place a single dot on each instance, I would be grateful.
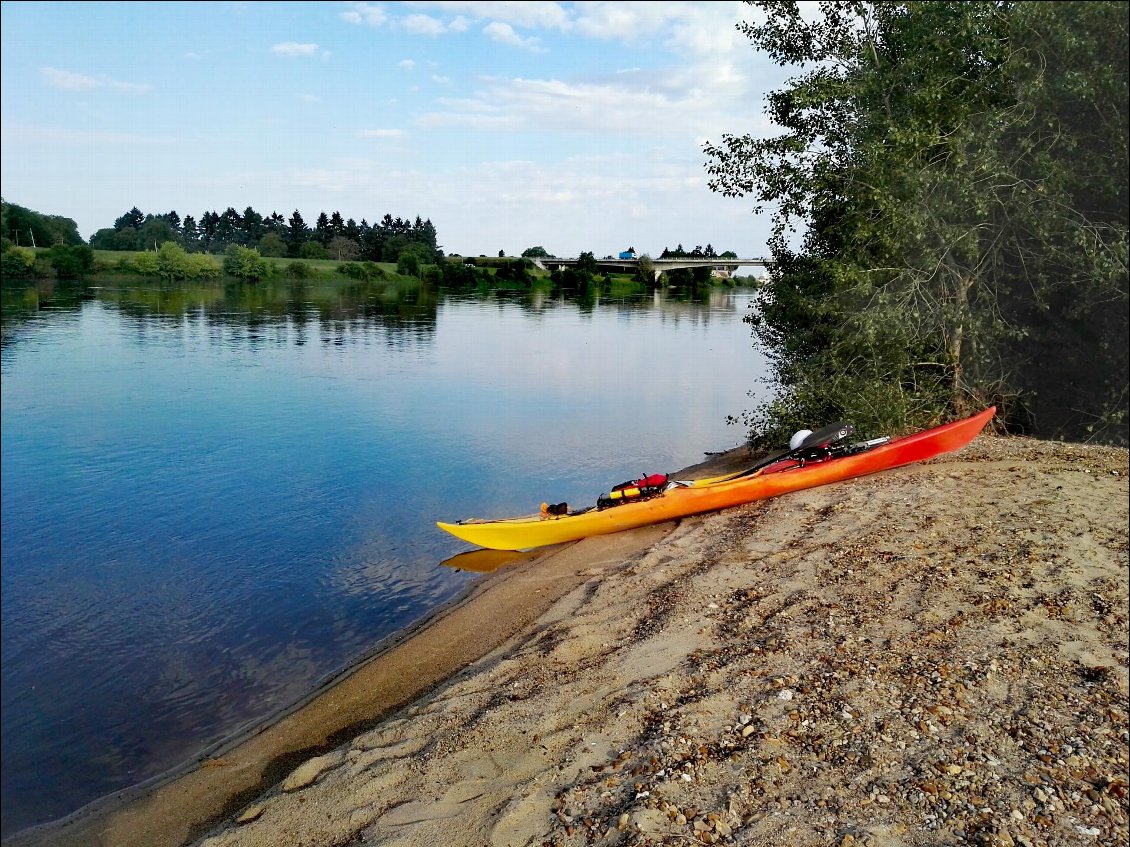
(777, 475)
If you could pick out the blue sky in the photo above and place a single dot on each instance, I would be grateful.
(573, 126)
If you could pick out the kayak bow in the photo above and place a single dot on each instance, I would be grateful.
(696, 497)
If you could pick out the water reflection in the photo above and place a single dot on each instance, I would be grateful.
(338, 311)
(487, 561)
(216, 496)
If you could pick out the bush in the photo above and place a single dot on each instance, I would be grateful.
(71, 262)
(408, 264)
(18, 263)
(173, 263)
(298, 270)
(245, 263)
(366, 271)
(455, 275)
(146, 264)
(313, 250)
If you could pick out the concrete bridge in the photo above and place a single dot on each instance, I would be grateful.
(715, 263)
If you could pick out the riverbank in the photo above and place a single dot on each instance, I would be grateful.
(933, 655)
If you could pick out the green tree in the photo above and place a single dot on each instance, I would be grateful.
(586, 265)
(296, 233)
(323, 232)
(313, 250)
(538, 252)
(228, 230)
(206, 231)
(272, 244)
(155, 232)
(71, 262)
(254, 228)
(133, 219)
(117, 239)
(645, 270)
(26, 228)
(934, 167)
(412, 258)
(190, 237)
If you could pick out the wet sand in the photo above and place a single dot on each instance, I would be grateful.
(932, 655)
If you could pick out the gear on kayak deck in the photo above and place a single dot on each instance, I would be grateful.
(634, 489)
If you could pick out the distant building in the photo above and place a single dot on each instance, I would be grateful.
(630, 253)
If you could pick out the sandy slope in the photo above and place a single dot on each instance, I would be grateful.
(933, 655)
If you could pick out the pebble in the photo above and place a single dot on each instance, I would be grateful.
(251, 813)
(308, 772)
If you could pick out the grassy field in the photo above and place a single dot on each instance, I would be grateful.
(320, 266)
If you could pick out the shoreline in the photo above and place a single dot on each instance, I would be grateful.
(510, 715)
(218, 778)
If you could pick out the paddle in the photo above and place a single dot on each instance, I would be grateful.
(813, 446)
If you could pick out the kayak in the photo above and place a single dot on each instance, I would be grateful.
(790, 472)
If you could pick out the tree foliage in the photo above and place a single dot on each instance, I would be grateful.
(18, 263)
(957, 175)
(23, 227)
(246, 264)
(71, 262)
(273, 235)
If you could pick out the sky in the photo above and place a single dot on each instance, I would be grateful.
(570, 126)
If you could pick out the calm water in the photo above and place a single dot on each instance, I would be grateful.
(214, 498)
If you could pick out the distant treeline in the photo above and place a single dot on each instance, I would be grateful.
(24, 228)
(272, 235)
(699, 252)
(331, 237)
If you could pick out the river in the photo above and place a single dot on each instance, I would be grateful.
(215, 497)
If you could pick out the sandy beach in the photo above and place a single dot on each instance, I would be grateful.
(933, 655)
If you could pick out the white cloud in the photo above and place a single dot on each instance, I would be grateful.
(503, 33)
(406, 64)
(423, 25)
(626, 105)
(67, 80)
(365, 13)
(309, 98)
(381, 133)
(293, 48)
(419, 24)
(70, 81)
(543, 15)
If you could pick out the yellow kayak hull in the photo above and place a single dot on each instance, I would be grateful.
(526, 533)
